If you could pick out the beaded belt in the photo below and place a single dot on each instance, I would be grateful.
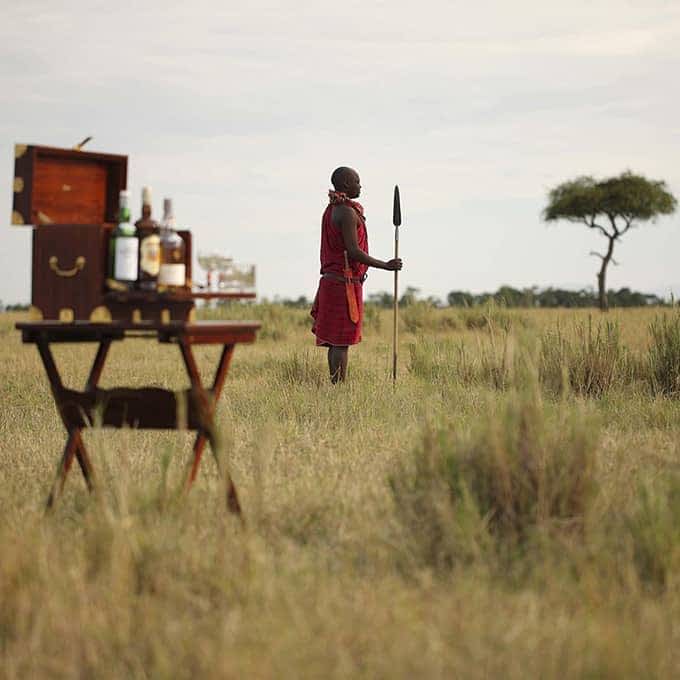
(338, 277)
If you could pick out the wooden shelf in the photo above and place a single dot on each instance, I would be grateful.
(199, 332)
(153, 297)
(149, 408)
(235, 295)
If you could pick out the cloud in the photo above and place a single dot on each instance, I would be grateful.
(241, 112)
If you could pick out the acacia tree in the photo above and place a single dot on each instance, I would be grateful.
(611, 207)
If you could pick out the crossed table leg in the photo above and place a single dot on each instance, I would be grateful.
(74, 443)
(202, 409)
(207, 408)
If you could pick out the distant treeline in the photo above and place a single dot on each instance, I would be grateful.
(505, 296)
(524, 297)
(553, 297)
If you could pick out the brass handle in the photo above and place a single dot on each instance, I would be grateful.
(54, 266)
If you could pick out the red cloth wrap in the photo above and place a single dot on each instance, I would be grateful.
(332, 325)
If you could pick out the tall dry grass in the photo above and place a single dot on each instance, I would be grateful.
(521, 471)
(664, 355)
(495, 515)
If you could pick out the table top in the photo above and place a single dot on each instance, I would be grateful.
(197, 332)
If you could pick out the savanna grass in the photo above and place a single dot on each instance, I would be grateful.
(522, 468)
(664, 355)
(654, 527)
(490, 361)
(590, 361)
(470, 521)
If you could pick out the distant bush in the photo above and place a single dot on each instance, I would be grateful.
(278, 320)
(491, 316)
(422, 316)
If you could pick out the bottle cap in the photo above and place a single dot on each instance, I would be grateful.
(168, 214)
(146, 195)
(124, 197)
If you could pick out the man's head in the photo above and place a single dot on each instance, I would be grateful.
(347, 181)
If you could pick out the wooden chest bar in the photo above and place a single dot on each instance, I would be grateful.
(68, 275)
(63, 186)
(70, 198)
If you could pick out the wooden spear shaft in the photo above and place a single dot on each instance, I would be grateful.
(395, 328)
(396, 221)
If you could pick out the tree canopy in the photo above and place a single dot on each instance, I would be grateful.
(611, 207)
(628, 198)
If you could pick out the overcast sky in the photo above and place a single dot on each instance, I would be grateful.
(241, 112)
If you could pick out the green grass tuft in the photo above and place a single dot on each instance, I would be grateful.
(664, 355)
(520, 468)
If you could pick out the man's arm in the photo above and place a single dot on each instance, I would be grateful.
(345, 219)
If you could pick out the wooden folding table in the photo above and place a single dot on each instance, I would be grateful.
(144, 408)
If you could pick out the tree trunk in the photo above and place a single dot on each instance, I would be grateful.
(602, 276)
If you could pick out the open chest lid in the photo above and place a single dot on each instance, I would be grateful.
(66, 186)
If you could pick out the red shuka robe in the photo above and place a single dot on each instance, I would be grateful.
(332, 325)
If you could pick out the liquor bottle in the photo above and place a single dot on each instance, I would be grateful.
(173, 267)
(124, 246)
(149, 245)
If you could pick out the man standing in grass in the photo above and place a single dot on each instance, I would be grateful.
(343, 234)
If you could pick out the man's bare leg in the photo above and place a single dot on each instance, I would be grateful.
(337, 363)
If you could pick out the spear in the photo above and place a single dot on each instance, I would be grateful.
(396, 220)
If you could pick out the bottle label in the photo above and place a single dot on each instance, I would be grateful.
(150, 255)
(172, 275)
(125, 258)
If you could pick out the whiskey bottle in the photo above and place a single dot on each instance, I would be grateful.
(149, 245)
(173, 267)
(124, 246)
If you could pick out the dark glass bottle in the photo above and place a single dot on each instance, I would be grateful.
(149, 245)
(173, 258)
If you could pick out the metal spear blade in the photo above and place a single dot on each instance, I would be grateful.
(396, 212)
